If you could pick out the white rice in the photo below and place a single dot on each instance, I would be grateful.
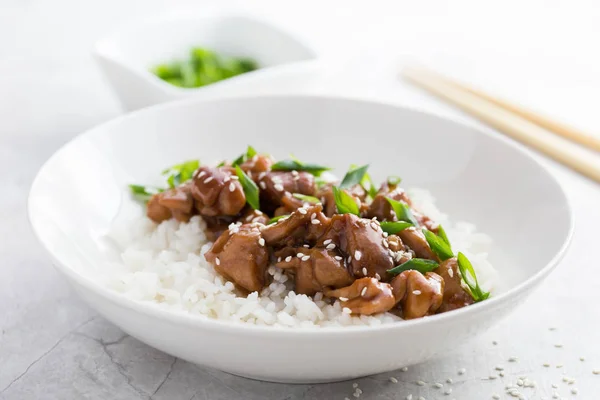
(164, 265)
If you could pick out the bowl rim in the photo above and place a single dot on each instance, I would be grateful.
(114, 36)
(199, 321)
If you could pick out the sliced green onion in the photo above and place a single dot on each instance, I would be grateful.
(275, 219)
(305, 198)
(442, 234)
(250, 152)
(221, 163)
(438, 245)
(394, 180)
(144, 193)
(354, 176)
(180, 173)
(250, 188)
(344, 202)
(367, 184)
(469, 277)
(418, 264)
(394, 227)
(295, 165)
(402, 211)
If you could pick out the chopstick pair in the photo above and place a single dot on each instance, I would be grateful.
(550, 137)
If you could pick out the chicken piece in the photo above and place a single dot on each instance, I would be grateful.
(419, 295)
(381, 208)
(217, 192)
(276, 184)
(289, 204)
(365, 296)
(362, 241)
(157, 212)
(176, 202)
(258, 163)
(316, 270)
(240, 256)
(415, 240)
(303, 226)
(455, 296)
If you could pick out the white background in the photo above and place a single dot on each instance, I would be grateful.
(544, 54)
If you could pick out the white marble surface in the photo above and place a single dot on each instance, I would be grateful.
(544, 53)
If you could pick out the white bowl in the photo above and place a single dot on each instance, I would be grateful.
(127, 55)
(476, 176)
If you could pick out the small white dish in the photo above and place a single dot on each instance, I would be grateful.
(126, 56)
(476, 176)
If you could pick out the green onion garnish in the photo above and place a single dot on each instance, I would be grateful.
(394, 227)
(296, 165)
(344, 202)
(394, 180)
(250, 188)
(402, 211)
(353, 177)
(442, 234)
(143, 193)
(438, 245)
(250, 152)
(307, 199)
(469, 277)
(275, 219)
(180, 173)
(418, 264)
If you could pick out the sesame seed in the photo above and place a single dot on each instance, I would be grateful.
(338, 258)
(305, 245)
(420, 383)
(357, 255)
(300, 255)
(313, 215)
(235, 178)
(385, 244)
(226, 179)
(231, 187)
(393, 380)
(448, 391)
(374, 226)
(438, 385)
(326, 242)
(558, 345)
(378, 277)
(596, 372)
(513, 359)
(302, 210)
(330, 246)
(262, 185)
(404, 369)
(217, 261)
(278, 187)
(546, 365)
(343, 299)
(416, 292)
(449, 380)
(363, 292)
(462, 371)
(354, 385)
(278, 259)
(315, 222)
(451, 275)
(346, 310)
(581, 358)
(201, 174)
(499, 368)
(210, 178)
(288, 259)
(364, 271)
(261, 241)
(385, 234)
(305, 258)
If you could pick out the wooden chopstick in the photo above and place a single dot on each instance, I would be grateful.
(508, 122)
(564, 130)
